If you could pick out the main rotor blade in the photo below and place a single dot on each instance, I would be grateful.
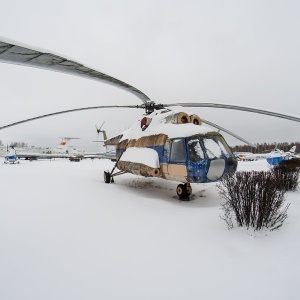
(14, 54)
(235, 107)
(68, 111)
(229, 132)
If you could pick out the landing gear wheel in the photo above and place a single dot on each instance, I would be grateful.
(188, 189)
(106, 177)
(180, 190)
(184, 191)
(112, 180)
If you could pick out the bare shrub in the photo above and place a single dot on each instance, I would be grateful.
(252, 199)
(287, 174)
(295, 162)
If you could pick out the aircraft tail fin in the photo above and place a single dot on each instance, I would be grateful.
(292, 150)
(62, 147)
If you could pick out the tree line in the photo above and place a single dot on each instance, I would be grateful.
(16, 144)
(266, 147)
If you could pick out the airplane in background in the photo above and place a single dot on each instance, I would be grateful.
(249, 156)
(110, 154)
(60, 151)
(273, 157)
(277, 156)
(242, 156)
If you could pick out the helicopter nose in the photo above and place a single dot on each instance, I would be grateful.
(216, 169)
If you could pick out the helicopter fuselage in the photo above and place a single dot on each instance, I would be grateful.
(184, 159)
(178, 151)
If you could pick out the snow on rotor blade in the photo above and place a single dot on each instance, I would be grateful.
(24, 55)
(235, 107)
(68, 111)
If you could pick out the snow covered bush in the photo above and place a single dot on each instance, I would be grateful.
(252, 199)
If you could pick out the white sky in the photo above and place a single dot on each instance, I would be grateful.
(233, 52)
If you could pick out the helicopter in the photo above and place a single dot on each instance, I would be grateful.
(163, 143)
(11, 157)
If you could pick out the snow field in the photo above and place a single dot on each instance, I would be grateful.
(65, 234)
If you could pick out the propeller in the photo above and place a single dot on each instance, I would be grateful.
(24, 55)
(98, 131)
(103, 131)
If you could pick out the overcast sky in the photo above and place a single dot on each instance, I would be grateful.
(234, 52)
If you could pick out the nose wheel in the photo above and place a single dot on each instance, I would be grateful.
(184, 191)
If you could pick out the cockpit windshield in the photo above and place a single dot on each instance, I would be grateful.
(212, 146)
(213, 150)
(223, 145)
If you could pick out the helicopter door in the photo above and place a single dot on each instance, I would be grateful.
(177, 161)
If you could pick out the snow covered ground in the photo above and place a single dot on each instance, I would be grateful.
(65, 234)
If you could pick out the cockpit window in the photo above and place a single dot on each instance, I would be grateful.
(223, 145)
(201, 147)
(178, 153)
(213, 150)
(195, 150)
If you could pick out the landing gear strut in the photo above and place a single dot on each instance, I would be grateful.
(107, 177)
(184, 191)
